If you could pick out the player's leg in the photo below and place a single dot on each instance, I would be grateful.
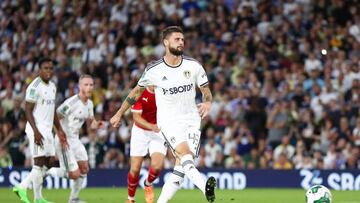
(80, 154)
(138, 149)
(172, 184)
(20, 190)
(157, 151)
(187, 162)
(35, 177)
(133, 176)
(78, 182)
(48, 150)
(68, 167)
(40, 164)
(180, 146)
(176, 137)
(157, 162)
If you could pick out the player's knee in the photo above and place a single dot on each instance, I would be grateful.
(185, 154)
(134, 171)
(157, 166)
(187, 161)
(40, 161)
(183, 150)
(74, 174)
(157, 169)
(84, 170)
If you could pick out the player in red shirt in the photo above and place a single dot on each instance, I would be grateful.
(145, 140)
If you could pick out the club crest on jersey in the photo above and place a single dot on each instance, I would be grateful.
(187, 74)
(64, 109)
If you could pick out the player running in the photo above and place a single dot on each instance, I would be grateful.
(175, 77)
(145, 139)
(73, 112)
(40, 113)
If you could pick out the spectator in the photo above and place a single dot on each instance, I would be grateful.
(285, 148)
(282, 162)
(356, 133)
(252, 159)
(16, 113)
(5, 158)
(330, 158)
(312, 63)
(211, 150)
(95, 150)
(277, 123)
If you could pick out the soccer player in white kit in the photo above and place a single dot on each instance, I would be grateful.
(73, 112)
(40, 113)
(175, 78)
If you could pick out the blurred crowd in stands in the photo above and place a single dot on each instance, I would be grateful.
(284, 75)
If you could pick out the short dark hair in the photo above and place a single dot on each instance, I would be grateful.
(171, 29)
(44, 60)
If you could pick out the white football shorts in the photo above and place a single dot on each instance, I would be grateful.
(176, 133)
(68, 158)
(145, 142)
(47, 149)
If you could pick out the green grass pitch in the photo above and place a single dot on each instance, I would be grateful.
(119, 195)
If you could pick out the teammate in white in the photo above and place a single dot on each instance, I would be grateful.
(175, 78)
(73, 112)
(40, 113)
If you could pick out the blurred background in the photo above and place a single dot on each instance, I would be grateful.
(284, 75)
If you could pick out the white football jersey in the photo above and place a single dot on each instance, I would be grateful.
(175, 88)
(74, 112)
(43, 95)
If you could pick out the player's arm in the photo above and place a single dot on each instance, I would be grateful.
(61, 112)
(129, 101)
(204, 107)
(60, 132)
(29, 108)
(141, 121)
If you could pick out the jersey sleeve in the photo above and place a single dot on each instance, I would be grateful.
(32, 94)
(201, 78)
(91, 110)
(137, 107)
(147, 78)
(64, 109)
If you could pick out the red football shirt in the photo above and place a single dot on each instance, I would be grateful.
(147, 106)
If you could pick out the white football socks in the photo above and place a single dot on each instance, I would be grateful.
(37, 180)
(172, 184)
(187, 162)
(76, 187)
(28, 179)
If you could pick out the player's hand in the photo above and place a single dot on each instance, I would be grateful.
(38, 138)
(63, 140)
(115, 121)
(204, 109)
(155, 128)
